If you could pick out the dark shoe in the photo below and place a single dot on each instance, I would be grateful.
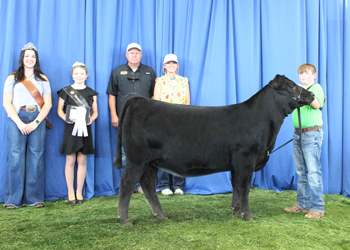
(80, 201)
(10, 207)
(39, 205)
(72, 201)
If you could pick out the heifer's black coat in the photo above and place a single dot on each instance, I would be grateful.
(194, 141)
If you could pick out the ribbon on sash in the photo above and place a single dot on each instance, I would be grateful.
(80, 128)
(79, 113)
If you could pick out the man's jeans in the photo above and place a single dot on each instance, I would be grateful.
(308, 166)
(25, 163)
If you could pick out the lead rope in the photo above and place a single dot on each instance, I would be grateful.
(268, 153)
(300, 130)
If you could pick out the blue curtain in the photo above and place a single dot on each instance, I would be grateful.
(228, 49)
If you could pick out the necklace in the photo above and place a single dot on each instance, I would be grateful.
(29, 76)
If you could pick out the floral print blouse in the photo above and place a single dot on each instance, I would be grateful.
(173, 90)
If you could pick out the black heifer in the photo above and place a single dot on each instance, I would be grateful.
(195, 141)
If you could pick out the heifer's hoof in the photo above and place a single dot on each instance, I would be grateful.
(237, 212)
(161, 217)
(164, 218)
(126, 223)
(248, 217)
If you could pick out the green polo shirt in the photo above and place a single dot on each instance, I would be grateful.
(309, 116)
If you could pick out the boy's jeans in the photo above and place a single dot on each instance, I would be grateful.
(307, 158)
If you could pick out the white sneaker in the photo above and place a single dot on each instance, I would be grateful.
(179, 191)
(167, 192)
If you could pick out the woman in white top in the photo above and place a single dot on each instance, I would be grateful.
(26, 132)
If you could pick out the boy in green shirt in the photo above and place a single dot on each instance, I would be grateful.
(307, 155)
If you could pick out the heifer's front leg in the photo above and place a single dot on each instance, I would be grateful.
(148, 184)
(244, 192)
(128, 181)
(236, 200)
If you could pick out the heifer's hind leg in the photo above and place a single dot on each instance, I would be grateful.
(148, 184)
(236, 199)
(130, 176)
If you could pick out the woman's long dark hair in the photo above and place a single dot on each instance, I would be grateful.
(19, 73)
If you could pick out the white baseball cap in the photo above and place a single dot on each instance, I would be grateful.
(133, 46)
(170, 58)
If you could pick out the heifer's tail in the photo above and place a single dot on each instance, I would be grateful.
(117, 161)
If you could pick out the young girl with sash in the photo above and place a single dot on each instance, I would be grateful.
(27, 101)
(77, 100)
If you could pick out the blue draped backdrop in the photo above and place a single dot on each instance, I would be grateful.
(228, 49)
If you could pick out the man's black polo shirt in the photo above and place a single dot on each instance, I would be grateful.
(124, 81)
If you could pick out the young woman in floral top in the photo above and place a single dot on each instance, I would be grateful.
(171, 88)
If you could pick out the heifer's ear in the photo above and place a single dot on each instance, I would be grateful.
(277, 77)
(274, 79)
(278, 81)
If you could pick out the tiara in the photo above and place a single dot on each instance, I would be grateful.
(76, 64)
(29, 46)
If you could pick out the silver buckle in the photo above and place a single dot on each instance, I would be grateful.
(31, 108)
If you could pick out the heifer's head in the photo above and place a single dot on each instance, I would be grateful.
(297, 96)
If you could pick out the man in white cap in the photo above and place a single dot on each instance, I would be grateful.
(132, 77)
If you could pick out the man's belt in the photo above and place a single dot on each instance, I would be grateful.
(307, 129)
